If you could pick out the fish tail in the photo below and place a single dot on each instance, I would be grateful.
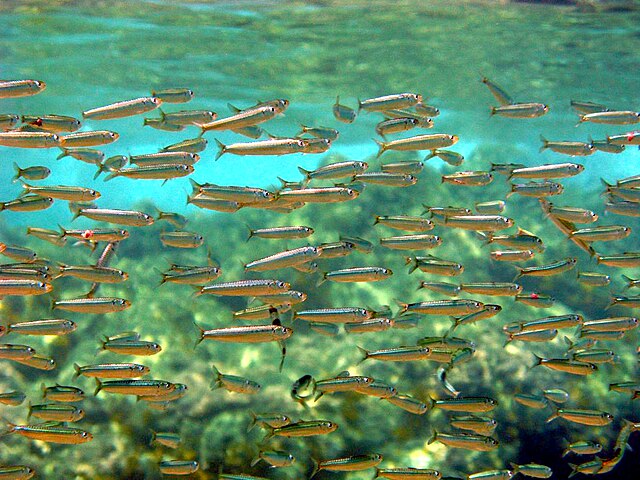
(199, 341)
(580, 120)
(111, 176)
(431, 155)
(76, 367)
(153, 437)
(518, 275)
(222, 149)
(413, 262)
(26, 188)
(253, 422)
(545, 143)
(492, 111)
(10, 427)
(628, 280)
(270, 432)
(30, 408)
(315, 468)
(98, 387)
(382, 147)
(574, 470)
(359, 105)
(101, 169)
(255, 460)
(322, 279)
(233, 108)
(305, 173)
(508, 341)
(433, 437)
(365, 354)
(65, 152)
(538, 361)
(515, 467)
(18, 172)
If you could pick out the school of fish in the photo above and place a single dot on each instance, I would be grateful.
(58, 418)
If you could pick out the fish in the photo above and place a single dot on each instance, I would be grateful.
(247, 334)
(479, 425)
(50, 434)
(319, 195)
(357, 274)
(72, 194)
(386, 179)
(408, 404)
(611, 117)
(411, 242)
(173, 95)
(567, 366)
(491, 475)
(130, 347)
(12, 398)
(19, 254)
(335, 170)
(483, 223)
(498, 92)
(165, 158)
(281, 232)
(602, 233)
(284, 259)
(343, 382)
(342, 113)
(167, 439)
(319, 132)
(494, 207)
(533, 299)
(403, 168)
(332, 250)
(21, 88)
(181, 239)
(454, 307)
(554, 268)
(123, 109)
(56, 412)
(587, 107)
(31, 173)
(153, 172)
(469, 179)
(454, 159)
(92, 305)
(301, 429)
(178, 467)
(582, 448)
(336, 315)
(29, 139)
(397, 354)
(624, 260)
(111, 370)
(233, 383)
(435, 265)
(275, 458)
(88, 139)
(17, 472)
(93, 274)
(250, 288)
(628, 209)
(466, 441)
(419, 142)
(605, 146)
(188, 117)
(568, 214)
(423, 109)
(246, 118)
(389, 102)
(192, 276)
(86, 155)
(52, 123)
(408, 473)
(135, 387)
(120, 217)
(405, 222)
(554, 170)
(395, 125)
(531, 401)
(488, 311)
(556, 395)
(24, 287)
(244, 195)
(583, 417)
(520, 110)
(573, 149)
(501, 289)
(353, 463)
(42, 327)
(630, 138)
(536, 189)
(191, 145)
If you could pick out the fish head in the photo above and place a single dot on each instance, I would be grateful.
(121, 302)
(142, 369)
(84, 436)
(154, 347)
(453, 139)
(148, 219)
(47, 287)
(155, 101)
(386, 272)
(69, 326)
(123, 233)
(498, 308)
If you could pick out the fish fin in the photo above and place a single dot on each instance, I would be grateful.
(253, 423)
(199, 341)
(76, 367)
(284, 352)
(98, 387)
(233, 108)
(30, 407)
(545, 143)
(65, 152)
(111, 176)
(315, 468)
(574, 470)
(365, 354)
(222, 149)
(18, 172)
(628, 280)
(432, 437)
(305, 173)
(538, 361)
(381, 147)
(431, 155)
(322, 279)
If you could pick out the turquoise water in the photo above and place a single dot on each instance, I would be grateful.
(95, 53)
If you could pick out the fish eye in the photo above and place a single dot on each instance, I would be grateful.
(84, 434)
(280, 284)
(92, 193)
